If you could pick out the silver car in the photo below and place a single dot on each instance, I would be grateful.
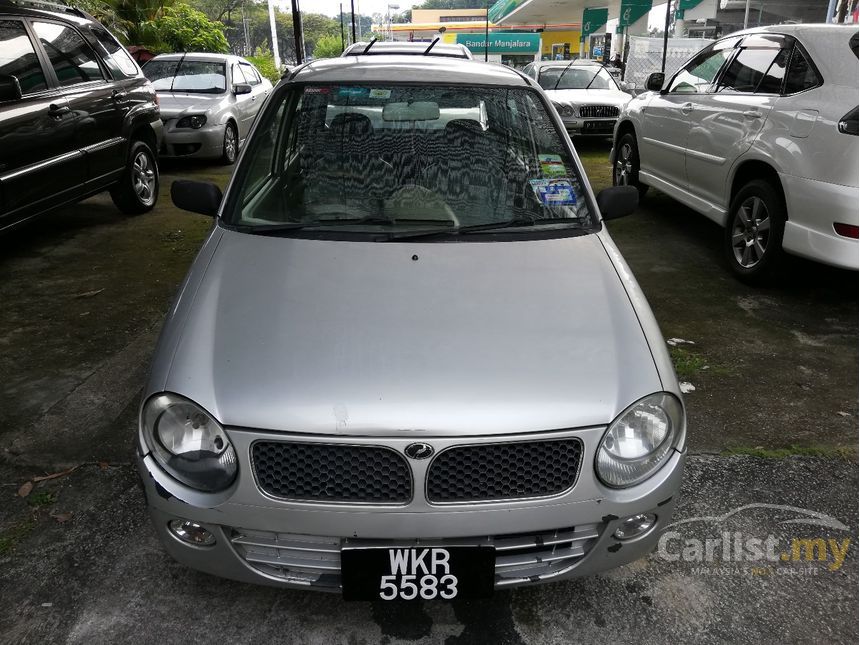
(585, 93)
(208, 103)
(408, 361)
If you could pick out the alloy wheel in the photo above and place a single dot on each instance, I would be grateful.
(624, 165)
(143, 178)
(750, 232)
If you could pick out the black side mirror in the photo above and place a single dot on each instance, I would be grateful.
(241, 88)
(655, 81)
(617, 201)
(196, 196)
(10, 88)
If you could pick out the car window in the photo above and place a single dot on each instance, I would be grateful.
(194, 76)
(117, 59)
(528, 69)
(238, 76)
(251, 75)
(700, 72)
(575, 77)
(18, 57)
(401, 157)
(801, 74)
(748, 69)
(72, 59)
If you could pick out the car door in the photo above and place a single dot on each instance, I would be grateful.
(259, 89)
(40, 162)
(99, 104)
(665, 122)
(726, 119)
(245, 104)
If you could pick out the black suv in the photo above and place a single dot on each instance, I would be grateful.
(77, 116)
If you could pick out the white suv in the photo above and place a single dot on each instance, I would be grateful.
(758, 132)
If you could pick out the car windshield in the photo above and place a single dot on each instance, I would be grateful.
(206, 77)
(573, 77)
(407, 159)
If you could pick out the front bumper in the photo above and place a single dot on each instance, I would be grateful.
(205, 143)
(297, 544)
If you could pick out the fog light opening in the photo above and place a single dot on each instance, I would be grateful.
(191, 533)
(635, 525)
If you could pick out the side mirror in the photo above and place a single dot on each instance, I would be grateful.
(617, 201)
(627, 86)
(196, 196)
(655, 81)
(10, 88)
(241, 88)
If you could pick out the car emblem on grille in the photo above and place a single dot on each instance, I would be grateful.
(418, 450)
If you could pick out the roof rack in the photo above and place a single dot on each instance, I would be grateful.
(48, 5)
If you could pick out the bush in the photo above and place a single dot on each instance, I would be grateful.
(182, 28)
(265, 64)
(327, 47)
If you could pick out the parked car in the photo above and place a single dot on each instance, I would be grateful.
(758, 132)
(208, 103)
(408, 361)
(584, 92)
(77, 116)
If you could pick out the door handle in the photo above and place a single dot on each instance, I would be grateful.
(254, 98)
(686, 108)
(752, 114)
(119, 96)
(59, 109)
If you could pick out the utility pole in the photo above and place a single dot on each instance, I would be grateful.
(352, 17)
(275, 54)
(342, 46)
(487, 32)
(666, 33)
(298, 34)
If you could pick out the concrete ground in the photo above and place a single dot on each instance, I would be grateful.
(773, 433)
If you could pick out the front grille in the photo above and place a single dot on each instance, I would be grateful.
(331, 473)
(315, 561)
(504, 470)
(598, 111)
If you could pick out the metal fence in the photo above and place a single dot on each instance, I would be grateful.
(645, 55)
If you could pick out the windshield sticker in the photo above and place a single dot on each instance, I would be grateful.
(354, 92)
(552, 166)
(380, 94)
(317, 90)
(554, 192)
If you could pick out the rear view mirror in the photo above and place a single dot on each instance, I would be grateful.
(617, 201)
(655, 81)
(196, 196)
(415, 111)
(241, 88)
(10, 88)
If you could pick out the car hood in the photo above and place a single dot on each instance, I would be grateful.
(345, 337)
(590, 97)
(174, 104)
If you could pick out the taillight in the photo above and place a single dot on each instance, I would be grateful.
(848, 125)
(846, 230)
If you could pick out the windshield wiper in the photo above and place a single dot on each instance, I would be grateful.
(592, 79)
(563, 72)
(482, 228)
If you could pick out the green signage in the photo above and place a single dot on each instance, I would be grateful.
(592, 21)
(502, 8)
(502, 43)
(633, 10)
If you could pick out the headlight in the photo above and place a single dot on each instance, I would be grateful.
(188, 443)
(639, 441)
(196, 121)
(564, 110)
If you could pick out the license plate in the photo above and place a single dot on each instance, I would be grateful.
(603, 126)
(417, 573)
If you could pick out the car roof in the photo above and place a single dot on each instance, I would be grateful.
(407, 68)
(45, 8)
(451, 50)
(579, 62)
(199, 56)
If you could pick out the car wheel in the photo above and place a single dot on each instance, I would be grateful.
(625, 169)
(231, 145)
(753, 235)
(137, 190)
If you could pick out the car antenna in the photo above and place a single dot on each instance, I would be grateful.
(433, 44)
(176, 72)
(369, 45)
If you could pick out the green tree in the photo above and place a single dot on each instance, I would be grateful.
(327, 47)
(182, 28)
(263, 61)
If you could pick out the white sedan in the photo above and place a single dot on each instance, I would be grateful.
(584, 93)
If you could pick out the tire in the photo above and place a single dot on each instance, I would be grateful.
(625, 165)
(752, 242)
(137, 190)
(230, 148)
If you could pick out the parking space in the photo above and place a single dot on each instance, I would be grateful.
(772, 404)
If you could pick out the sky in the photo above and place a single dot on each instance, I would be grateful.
(370, 7)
